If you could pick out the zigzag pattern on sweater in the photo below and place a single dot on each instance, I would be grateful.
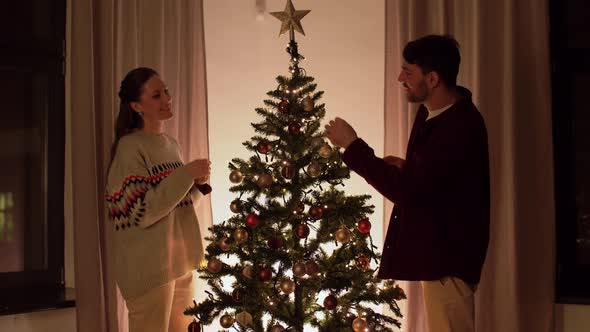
(127, 206)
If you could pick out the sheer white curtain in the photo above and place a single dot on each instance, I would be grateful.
(505, 63)
(108, 38)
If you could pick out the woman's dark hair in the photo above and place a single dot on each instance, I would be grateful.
(435, 53)
(130, 91)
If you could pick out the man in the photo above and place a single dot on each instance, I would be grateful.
(439, 228)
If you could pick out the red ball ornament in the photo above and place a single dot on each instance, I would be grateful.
(263, 147)
(330, 302)
(312, 268)
(302, 231)
(288, 172)
(316, 212)
(300, 208)
(264, 181)
(400, 295)
(214, 265)
(363, 262)
(284, 106)
(295, 129)
(194, 326)
(264, 273)
(252, 220)
(275, 243)
(237, 295)
(364, 226)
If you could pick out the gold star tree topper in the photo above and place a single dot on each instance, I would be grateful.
(291, 18)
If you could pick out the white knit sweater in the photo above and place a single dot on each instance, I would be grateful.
(151, 198)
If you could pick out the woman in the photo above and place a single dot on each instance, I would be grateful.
(150, 197)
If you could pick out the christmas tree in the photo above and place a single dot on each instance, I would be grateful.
(297, 252)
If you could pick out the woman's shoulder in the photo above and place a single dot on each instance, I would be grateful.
(170, 139)
(131, 141)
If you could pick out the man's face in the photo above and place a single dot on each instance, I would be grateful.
(414, 83)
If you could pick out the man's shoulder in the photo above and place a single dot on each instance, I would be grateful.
(468, 112)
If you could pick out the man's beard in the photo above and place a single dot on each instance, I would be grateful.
(419, 94)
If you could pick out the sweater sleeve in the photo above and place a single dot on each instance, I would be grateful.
(196, 190)
(385, 178)
(428, 172)
(134, 196)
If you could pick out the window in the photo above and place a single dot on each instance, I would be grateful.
(32, 35)
(570, 56)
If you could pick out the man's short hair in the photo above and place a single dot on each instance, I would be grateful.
(435, 53)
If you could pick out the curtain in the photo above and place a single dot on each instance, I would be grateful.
(505, 63)
(109, 38)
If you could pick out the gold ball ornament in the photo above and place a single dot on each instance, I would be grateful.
(343, 235)
(223, 244)
(277, 328)
(248, 272)
(240, 235)
(317, 141)
(307, 104)
(236, 176)
(226, 321)
(244, 318)
(236, 206)
(287, 286)
(264, 181)
(299, 270)
(325, 150)
(214, 265)
(359, 324)
(314, 169)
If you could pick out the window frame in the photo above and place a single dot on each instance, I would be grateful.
(571, 277)
(26, 291)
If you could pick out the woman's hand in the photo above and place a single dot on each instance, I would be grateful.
(201, 180)
(200, 169)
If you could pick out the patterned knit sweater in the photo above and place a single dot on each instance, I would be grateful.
(151, 197)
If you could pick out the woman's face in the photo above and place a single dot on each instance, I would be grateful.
(155, 103)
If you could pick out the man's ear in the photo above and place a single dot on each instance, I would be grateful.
(433, 79)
